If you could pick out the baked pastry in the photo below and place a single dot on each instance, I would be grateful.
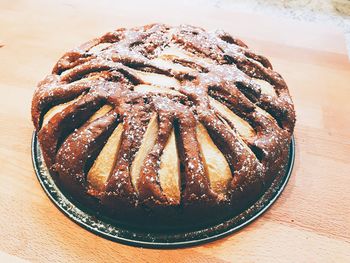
(164, 124)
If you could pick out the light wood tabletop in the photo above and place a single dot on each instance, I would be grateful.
(310, 222)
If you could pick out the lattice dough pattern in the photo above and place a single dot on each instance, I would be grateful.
(159, 116)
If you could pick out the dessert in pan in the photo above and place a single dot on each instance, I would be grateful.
(165, 125)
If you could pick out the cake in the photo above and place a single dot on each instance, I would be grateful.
(166, 125)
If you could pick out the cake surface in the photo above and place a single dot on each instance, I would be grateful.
(173, 124)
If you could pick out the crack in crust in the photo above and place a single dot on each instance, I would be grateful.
(184, 76)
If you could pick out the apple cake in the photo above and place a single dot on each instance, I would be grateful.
(164, 124)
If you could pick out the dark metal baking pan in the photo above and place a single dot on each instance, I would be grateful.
(130, 235)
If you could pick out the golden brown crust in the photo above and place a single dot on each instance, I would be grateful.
(216, 99)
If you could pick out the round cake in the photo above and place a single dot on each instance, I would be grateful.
(160, 124)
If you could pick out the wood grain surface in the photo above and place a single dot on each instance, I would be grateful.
(310, 222)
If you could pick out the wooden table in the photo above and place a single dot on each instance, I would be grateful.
(310, 222)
